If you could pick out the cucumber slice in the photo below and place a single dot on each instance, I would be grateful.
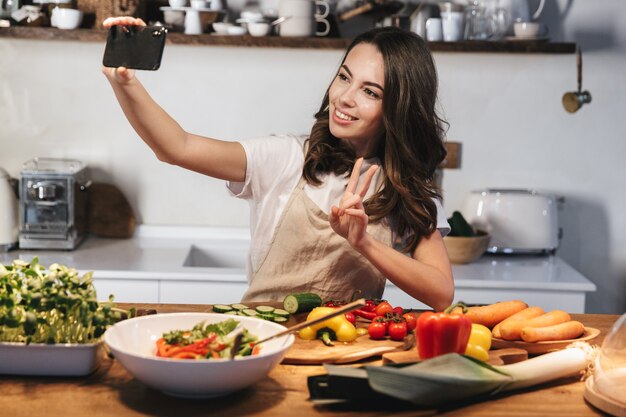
(239, 307)
(269, 317)
(281, 313)
(280, 319)
(301, 302)
(233, 312)
(265, 309)
(249, 312)
(221, 308)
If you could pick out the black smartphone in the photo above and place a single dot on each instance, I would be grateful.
(136, 47)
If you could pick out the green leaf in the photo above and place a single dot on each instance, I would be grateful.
(439, 380)
(222, 328)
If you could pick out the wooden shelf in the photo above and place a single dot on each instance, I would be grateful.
(93, 35)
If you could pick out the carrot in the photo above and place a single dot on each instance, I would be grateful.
(513, 330)
(185, 355)
(492, 314)
(562, 331)
(527, 313)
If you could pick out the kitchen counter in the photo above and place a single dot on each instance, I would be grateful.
(111, 391)
(167, 264)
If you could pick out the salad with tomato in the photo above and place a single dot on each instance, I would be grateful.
(206, 341)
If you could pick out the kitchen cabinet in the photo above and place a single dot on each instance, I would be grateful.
(555, 285)
(166, 264)
(128, 290)
(94, 35)
(202, 292)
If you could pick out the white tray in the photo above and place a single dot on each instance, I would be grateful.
(49, 360)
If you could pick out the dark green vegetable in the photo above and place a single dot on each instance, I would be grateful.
(270, 313)
(301, 302)
(54, 305)
(222, 308)
(459, 226)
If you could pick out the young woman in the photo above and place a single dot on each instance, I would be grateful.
(349, 206)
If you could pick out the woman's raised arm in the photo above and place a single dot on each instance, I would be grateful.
(169, 141)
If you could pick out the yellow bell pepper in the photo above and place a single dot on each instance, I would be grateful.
(479, 342)
(339, 327)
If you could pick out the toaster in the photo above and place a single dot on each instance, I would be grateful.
(519, 221)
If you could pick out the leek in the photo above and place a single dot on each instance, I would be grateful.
(453, 377)
(573, 360)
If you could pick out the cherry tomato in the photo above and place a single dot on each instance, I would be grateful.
(397, 330)
(411, 321)
(398, 310)
(370, 305)
(377, 330)
(383, 308)
(383, 320)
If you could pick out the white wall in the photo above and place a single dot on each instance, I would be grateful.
(504, 108)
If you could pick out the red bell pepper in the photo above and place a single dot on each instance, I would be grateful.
(440, 333)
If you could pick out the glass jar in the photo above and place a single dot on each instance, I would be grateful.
(609, 374)
(7, 7)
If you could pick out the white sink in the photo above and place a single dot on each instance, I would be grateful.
(214, 257)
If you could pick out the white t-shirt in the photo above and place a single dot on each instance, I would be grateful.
(274, 167)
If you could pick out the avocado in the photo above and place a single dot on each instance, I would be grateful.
(459, 226)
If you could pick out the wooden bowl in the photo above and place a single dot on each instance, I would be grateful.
(462, 250)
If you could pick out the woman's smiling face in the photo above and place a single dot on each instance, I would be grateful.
(356, 100)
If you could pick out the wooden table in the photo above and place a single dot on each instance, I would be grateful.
(111, 391)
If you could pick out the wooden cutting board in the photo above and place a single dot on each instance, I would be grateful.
(314, 352)
(496, 357)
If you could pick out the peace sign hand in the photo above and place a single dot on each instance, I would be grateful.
(349, 220)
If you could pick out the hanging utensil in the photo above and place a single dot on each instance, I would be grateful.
(340, 310)
(378, 7)
(574, 100)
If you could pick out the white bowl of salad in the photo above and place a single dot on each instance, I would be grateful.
(189, 354)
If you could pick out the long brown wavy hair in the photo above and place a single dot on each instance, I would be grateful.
(412, 146)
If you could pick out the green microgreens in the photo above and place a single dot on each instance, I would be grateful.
(51, 306)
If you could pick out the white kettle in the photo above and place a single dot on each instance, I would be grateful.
(9, 231)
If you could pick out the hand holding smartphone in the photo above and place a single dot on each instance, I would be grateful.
(135, 47)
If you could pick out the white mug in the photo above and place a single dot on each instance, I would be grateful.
(452, 26)
(324, 31)
(320, 18)
(303, 26)
(64, 18)
(433, 30)
(529, 30)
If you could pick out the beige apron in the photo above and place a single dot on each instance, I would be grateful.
(306, 255)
